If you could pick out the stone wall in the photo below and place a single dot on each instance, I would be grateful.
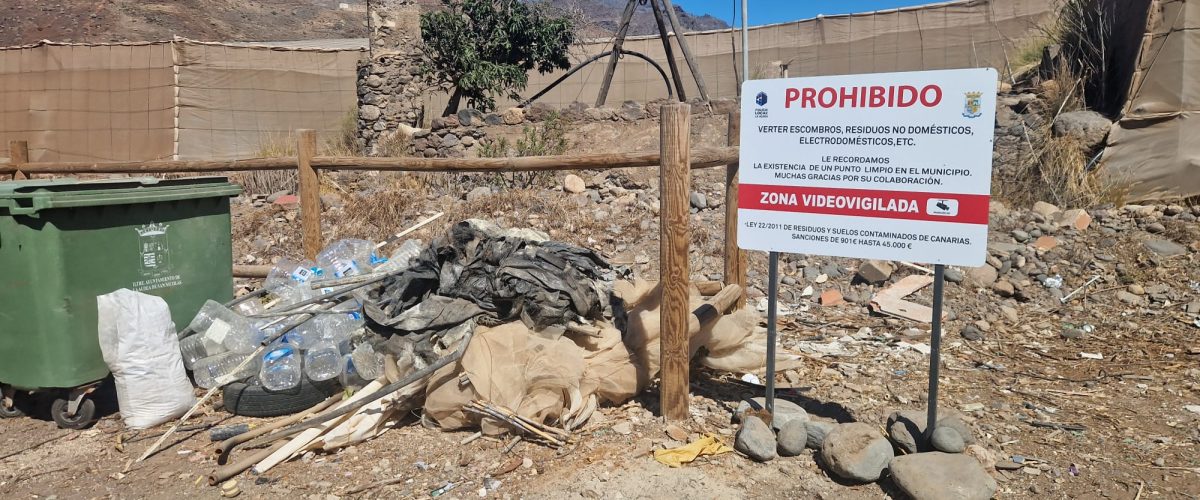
(390, 82)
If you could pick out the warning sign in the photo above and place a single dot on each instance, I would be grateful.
(893, 166)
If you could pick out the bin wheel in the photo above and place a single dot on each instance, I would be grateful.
(13, 412)
(82, 419)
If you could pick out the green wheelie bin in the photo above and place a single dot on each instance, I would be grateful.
(65, 241)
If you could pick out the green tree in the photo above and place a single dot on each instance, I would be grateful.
(486, 48)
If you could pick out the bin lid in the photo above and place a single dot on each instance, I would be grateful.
(30, 196)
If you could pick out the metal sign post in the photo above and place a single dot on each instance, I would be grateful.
(772, 301)
(935, 348)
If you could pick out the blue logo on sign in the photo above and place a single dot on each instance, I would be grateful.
(761, 99)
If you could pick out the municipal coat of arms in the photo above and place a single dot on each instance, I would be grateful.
(972, 104)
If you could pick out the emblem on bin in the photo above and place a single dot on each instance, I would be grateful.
(155, 253)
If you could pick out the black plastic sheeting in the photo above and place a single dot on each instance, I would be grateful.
(470, 273)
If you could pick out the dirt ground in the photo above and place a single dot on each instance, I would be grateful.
(1115, 428)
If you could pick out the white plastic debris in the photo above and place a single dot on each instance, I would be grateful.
(1193, 408)
(750, 378)
(1090, 355)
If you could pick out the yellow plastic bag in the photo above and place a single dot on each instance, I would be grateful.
(707, 445)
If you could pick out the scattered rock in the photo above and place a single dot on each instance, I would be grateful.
(983, 275)
(953, 275)
(946, 439)
(1045, 243)
(1045, 209)
(875, 271)
(785, 411)
(698, 200)
(817, 430)
(1156, 228)
(1075, 218)
(1136, 289)
(1165, 248)
(831, 297)
(1089, 127)
(677, 433)
(574, 184)
(1129, 298)
(513, 116)
(1004, 288)
(271, 198)
(622, 428)
(856, 452)
(756, 440)
(937, 476)
(971, 332)
(793, 437)
(907, 428)
(478, 193)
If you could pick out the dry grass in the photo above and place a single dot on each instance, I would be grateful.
(1059, 174)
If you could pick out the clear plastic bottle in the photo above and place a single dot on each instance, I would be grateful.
(281, 368)
(322, 361)
(289, 280)
(222, 368)
(197, 347)
(367, 362)
(348, 257)
(349, 377)
(402, 258)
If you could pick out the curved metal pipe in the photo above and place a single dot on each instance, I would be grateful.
(572, 71)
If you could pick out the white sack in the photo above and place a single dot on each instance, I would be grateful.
(137, 339)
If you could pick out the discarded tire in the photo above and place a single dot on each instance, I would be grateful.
(255, 401)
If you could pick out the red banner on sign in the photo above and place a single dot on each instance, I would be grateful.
(933, 207)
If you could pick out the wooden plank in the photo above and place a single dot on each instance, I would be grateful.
(674, 184)
(680, 95)
(701, 158)
(616, 55)
(240, 271)
(18, 153)
(735, 258)
(310, 192)
(687, 52)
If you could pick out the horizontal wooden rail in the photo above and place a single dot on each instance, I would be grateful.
(701, 158)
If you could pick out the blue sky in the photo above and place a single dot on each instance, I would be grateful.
(777, 11)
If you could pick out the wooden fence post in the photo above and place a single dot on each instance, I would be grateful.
(735, 258)
(18, 153)
(674, 182)
(310, 192)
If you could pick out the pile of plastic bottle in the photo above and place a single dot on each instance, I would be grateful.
(319, 349)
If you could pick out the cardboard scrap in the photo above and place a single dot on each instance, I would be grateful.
(891, 301)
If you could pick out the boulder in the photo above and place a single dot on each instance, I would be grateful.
(1046, 210)
(513, 116)
(817, 430)
(856, 452)
(907, 428)
(983, 275)
(942, 476)
(369, 112)
(792, 438)
(946, 439)
(1089, 127)
(1075, 218)
(756, 440)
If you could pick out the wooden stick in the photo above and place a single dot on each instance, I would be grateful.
(228, 471)
(376, 484)
(18, 153)
(735, 258)
(674, 182)
(623, 30)
(405, 232)
(310, 192)
(221, 453)
(687, 52)
(664, 35)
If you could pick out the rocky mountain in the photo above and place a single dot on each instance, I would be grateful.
(28, 21)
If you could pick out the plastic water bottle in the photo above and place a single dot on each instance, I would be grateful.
(349, 377)
(197, 347)
(402, 258)
(281, 368)
(323, 361)
(221, 369)
(348, 257)
(367, 362)
(289, 280)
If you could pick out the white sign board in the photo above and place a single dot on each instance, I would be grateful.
(893, 166)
